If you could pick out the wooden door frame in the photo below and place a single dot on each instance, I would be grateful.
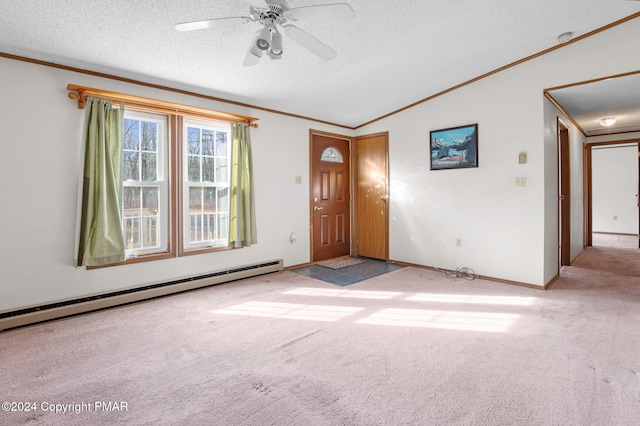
(349, 140)
(588, 185)
(564, 194)
(354, 228)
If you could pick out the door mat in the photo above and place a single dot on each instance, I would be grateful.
(342, 262)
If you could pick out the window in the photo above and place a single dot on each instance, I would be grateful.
(144, 200)
(148, 198)
(173, 176)
(206, 156)
(331, 155)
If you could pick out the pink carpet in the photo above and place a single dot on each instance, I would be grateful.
(411, 347)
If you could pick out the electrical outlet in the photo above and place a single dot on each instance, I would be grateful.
(458, 242)
(521, 182)
(298, 180)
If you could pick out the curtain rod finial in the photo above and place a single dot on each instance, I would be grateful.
(80, 96)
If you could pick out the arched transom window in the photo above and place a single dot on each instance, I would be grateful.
(331, 155)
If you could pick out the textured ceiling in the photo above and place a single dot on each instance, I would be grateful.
(588, 103)
(393, 54)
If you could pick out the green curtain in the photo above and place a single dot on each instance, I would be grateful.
(242, 216)
(100, 235)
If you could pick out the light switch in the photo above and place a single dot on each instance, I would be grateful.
(522, 158)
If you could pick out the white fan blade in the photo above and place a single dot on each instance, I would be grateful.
(250, 59)
(308, 41)
(212, 23)
(324, 11)
(258, 4)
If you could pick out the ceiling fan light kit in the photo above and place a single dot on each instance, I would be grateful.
(273, 16)
(263, 39)
(276, 44)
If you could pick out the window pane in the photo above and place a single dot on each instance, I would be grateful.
(194, 168)
(222, 172)
(223, 199)
(221, 144)
(208, 138)
(210, 200)
(193, 140)
(132, 233)
(130, 165)
(131, 201)
(150, 200)
(149, 166)
(149, 231)
(208, 169)
(131, 134)
(149, 136)
(331, 155)
(223, 226)
(195, 200)
(195, 223)
(208, 227)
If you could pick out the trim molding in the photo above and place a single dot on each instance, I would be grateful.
(551, 281)
(505, 67)
(65, 308)
(566, 114)
(161, 87)
(216, 99)
(484, 277)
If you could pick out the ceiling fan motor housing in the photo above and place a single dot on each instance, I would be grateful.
(275, 13)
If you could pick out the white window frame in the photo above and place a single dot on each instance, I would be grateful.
(161, 184)
(187, 185)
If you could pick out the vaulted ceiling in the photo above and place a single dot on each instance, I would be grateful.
(587, 103)
(392, 54)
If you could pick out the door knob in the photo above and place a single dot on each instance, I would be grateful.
(316, 208)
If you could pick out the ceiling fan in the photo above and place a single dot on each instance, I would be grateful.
(274, 15)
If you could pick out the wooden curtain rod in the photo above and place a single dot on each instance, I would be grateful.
(80, 93)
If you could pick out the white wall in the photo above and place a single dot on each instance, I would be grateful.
(614, 189)
(40, 132)
(508, 233)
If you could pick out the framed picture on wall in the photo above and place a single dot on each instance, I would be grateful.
(454, 148)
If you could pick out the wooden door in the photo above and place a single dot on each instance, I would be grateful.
(564, 195)
(330, 197)
(372, 196)
(587, 184)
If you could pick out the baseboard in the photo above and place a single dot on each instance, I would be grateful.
(70, 307)
(484, 277)
(552, 281)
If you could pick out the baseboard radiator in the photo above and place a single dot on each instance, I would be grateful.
(61, 309)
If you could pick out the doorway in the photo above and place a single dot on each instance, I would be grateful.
(330, 205)
(613, 170)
